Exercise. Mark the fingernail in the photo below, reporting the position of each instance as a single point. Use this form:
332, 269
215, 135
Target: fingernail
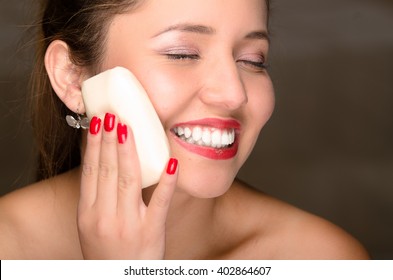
109, 122
95, 125
172, 166
122, 133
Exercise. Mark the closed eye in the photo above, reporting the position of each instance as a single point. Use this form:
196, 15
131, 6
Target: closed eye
180, 56
255, 64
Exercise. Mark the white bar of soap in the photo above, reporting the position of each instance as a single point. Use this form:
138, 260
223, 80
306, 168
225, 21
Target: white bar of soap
117, 91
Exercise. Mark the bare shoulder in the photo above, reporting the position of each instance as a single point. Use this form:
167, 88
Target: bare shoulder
277, 230
19, 211
29, 219
310, 237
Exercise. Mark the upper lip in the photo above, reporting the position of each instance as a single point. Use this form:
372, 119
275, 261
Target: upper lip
213, 122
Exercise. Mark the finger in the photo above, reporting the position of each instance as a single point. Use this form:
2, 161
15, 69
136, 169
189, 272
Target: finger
90, 162
129, 194
107, 168
162, 196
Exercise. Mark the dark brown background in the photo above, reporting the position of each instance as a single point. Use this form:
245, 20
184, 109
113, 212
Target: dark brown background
329, 146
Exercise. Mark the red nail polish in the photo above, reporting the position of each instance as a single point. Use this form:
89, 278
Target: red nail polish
95, 125
109, 122
172, 166
122, 133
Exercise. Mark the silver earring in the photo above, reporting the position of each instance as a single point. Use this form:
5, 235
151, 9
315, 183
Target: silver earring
81, 121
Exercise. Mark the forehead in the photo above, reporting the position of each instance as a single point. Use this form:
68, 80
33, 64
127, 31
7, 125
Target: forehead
216, 13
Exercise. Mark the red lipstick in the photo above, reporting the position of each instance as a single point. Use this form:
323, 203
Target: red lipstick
206, 150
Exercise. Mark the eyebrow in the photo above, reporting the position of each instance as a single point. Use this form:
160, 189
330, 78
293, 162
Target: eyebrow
186, 27
259, 35
207, 30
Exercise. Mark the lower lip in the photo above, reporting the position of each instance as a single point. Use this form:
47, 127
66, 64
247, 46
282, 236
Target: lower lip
208, 152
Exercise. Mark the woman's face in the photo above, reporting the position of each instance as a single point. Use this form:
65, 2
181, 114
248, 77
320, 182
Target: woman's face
201, 63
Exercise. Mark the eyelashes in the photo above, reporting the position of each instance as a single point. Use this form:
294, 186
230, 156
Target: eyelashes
250, 62
256, 61
182, 56
254, 64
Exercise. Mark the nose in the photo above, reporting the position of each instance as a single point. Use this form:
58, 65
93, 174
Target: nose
223, 87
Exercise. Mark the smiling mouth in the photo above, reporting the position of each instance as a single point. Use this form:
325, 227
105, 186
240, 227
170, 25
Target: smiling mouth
206, 136
211, 138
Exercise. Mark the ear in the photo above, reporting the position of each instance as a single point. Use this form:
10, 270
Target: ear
66, 78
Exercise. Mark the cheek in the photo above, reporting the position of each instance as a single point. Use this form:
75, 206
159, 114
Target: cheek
261, 102
267, 104
260, 108
167, 90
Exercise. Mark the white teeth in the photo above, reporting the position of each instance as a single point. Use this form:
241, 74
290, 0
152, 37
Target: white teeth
232, 137
197, 133
180, 131
216, 139
225, 138
187, 132
206, 136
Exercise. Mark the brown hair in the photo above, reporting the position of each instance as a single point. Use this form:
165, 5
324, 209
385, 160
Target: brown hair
82, 25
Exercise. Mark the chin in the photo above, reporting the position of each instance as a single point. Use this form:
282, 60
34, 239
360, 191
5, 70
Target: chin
205, 186
205, 177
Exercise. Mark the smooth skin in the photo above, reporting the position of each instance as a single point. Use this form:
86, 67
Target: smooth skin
196, 59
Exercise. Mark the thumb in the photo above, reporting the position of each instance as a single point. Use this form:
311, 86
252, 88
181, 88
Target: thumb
162, 196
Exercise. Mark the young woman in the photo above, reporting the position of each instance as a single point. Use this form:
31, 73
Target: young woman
202, 64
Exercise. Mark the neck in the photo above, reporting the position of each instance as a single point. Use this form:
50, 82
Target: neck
189, 225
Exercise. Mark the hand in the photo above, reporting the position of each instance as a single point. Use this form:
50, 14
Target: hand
113, 221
